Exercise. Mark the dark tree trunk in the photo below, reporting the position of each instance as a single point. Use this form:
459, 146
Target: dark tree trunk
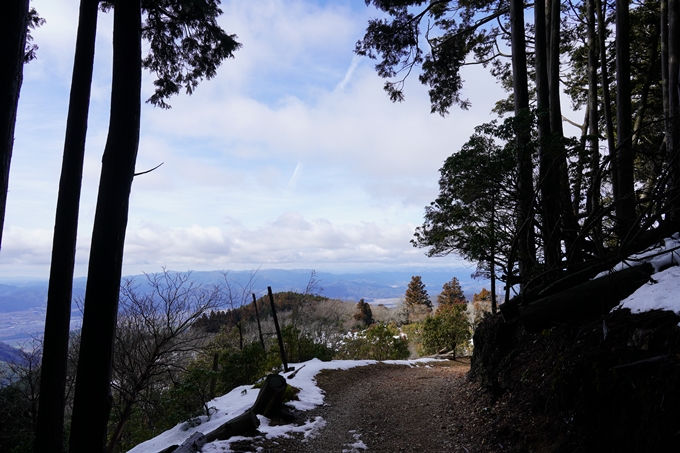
548, 175
569, 223
49, 431
625, 204
13, 27
525, 186
593, 198
673, 122
92, 393
606, 96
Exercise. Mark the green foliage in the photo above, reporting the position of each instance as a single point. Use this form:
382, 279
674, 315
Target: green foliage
414, 335
474, 214
300, 347
451, 294
378, 342
364, 315
449, 329
416, 294
186, 44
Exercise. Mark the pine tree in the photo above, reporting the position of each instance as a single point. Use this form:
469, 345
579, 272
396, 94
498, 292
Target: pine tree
451, 294
364, 314
416, 294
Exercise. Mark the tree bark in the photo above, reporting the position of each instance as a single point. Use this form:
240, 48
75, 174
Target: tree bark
13, 28
271, 395
92, 393
673, 135
548, 175
242, 424
625, 203
593, 196
50, 426
525, 186
590, 298
606, 96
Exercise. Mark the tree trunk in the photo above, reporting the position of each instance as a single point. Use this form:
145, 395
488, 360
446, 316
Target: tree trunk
242, 424
606, 96
625, 203
50, 427
271, 395
548, 175
118, 431
13, 27
525, 186
92, 393
663, 31
593, 197
590, 298
673, 135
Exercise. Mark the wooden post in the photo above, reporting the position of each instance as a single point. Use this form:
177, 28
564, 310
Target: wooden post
278, 330
259, 327
269, 399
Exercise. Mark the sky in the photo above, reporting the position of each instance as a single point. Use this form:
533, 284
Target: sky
291, 157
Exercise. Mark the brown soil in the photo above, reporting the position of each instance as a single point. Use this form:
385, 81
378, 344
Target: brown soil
395, 408
567, 389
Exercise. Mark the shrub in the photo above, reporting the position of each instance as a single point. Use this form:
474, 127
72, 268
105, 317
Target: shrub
448, 329
378, 342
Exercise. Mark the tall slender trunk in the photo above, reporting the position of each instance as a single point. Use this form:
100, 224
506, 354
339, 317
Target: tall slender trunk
593, 198
663, 31
673, 134
13, 27
606, 96
525, 186
569, 222
625, 204
548, 174
92, 393
50, 427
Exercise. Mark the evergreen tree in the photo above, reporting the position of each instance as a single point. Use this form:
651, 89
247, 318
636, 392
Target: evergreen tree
364, 314
416, 294
451, 294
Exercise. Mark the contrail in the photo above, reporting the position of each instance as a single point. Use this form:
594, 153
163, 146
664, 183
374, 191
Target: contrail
293, 179
348, 75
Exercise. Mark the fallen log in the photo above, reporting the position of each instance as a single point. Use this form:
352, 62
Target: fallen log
270, 398
192, 445
244, 423
268, 403
594, 297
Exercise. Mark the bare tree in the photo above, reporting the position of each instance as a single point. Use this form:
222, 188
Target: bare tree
154, 339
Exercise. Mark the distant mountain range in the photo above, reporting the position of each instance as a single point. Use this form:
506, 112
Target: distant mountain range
23, 300
24, 294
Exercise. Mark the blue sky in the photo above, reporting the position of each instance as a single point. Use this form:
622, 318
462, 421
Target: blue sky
291, 157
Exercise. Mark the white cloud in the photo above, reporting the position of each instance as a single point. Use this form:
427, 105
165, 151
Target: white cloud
292, 156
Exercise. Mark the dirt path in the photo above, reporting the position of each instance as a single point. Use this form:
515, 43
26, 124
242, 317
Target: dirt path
386, 408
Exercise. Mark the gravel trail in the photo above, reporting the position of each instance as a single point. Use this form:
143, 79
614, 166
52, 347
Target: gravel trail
383, 408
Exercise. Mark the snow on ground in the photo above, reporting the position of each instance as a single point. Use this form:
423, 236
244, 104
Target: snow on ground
242, 398
663, 292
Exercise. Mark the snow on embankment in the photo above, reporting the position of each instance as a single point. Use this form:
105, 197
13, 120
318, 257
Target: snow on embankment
663, 292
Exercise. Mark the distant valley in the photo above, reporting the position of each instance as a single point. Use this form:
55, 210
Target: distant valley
23, 301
